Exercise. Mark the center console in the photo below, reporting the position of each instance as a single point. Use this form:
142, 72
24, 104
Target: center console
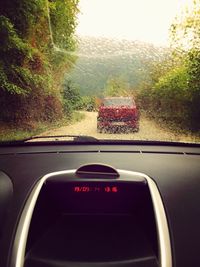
93, 216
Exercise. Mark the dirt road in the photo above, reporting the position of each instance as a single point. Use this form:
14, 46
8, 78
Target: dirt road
149, 130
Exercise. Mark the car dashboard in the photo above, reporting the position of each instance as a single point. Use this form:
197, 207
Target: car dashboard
99, 204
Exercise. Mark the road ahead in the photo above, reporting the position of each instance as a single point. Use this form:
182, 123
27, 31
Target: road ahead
149, 130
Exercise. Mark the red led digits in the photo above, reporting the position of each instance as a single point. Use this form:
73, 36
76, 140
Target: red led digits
107, 189
76, 189
114, 189
84, 189
96, 189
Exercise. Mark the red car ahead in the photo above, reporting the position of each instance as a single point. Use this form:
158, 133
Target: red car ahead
118, 113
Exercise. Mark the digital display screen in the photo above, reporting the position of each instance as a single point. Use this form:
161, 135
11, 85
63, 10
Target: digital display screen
96, 189
97, 197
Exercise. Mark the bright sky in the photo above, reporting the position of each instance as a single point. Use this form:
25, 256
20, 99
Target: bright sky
144, 20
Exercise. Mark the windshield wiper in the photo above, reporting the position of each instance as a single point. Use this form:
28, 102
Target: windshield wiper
75, 138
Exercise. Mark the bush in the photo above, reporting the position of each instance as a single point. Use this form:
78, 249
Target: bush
87, 103
71, 97
170, 97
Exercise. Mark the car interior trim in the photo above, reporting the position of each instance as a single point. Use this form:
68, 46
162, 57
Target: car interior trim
165, 255
25, 220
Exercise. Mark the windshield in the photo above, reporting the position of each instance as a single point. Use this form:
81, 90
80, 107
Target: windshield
60, 60
122, 101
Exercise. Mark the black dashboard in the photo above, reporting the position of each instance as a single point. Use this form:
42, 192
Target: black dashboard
144, 212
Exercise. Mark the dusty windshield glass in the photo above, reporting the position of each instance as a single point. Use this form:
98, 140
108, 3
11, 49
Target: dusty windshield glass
118, 101
63, 61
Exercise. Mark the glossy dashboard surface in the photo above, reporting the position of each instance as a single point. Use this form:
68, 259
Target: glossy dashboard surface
175, 170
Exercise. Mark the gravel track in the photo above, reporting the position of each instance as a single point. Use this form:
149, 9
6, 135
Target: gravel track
149, 130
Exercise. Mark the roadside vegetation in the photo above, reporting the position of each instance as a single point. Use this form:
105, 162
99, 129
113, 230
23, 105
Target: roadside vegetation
173, 96
32, 67
10, 132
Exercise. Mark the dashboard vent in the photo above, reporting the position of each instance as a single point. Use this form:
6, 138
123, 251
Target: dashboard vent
96, 169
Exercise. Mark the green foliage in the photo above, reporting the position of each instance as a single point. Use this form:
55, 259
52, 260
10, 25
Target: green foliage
194, 85
169, 99
23, 14
174, 98
71, 97
30, 68
174, 84
63, 14
13, 51
8, 86
185, 34
174, 95
10, 39
11, 132
185, 31
116, 87
87, 103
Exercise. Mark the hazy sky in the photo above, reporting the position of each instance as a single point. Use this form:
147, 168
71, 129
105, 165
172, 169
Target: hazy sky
145, 20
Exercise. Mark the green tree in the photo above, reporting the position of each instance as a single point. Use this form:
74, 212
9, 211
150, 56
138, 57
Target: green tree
63, 22
87, 103
185, 35
116, 87
71, 97
30, 67
174, 94
185, 31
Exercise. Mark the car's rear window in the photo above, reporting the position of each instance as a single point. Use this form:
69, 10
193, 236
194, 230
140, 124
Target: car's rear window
108, 102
